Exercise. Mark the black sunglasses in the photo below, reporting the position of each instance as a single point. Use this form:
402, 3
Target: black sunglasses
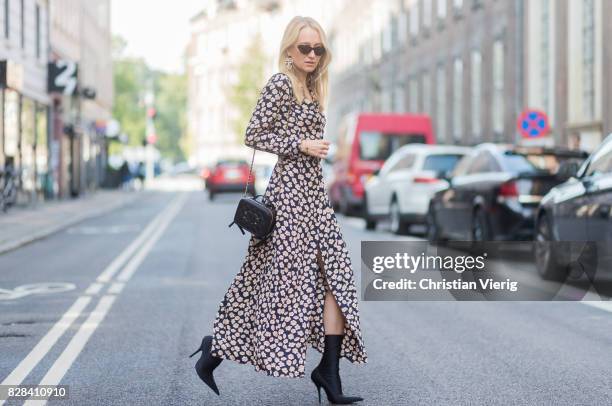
305, 49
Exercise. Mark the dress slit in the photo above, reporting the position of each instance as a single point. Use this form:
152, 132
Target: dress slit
321, 266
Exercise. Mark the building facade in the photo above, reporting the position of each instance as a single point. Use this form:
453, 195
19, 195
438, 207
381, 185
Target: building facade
460, 61
80, 34
568, 65
54, 142
24, 101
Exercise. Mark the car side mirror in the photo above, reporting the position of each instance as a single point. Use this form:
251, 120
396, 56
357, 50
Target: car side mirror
568, 169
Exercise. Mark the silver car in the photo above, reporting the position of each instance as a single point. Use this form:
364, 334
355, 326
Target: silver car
400, 191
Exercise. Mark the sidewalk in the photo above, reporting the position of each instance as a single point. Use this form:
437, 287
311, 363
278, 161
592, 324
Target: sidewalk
20, 226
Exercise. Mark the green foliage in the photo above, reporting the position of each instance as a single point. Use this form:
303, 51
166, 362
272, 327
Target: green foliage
130, 78
243, 95
171, 122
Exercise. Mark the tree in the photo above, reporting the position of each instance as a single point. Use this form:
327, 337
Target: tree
243, 95
171, 121
129, 78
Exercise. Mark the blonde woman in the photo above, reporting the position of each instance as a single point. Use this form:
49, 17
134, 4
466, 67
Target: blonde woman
297, 288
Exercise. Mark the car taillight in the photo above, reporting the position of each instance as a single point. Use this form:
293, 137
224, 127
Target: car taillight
424, 179
508, 190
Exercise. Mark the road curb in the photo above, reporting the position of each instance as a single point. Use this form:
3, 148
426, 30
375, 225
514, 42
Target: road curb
12, 245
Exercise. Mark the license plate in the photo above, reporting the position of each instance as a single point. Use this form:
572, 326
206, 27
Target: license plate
232, 174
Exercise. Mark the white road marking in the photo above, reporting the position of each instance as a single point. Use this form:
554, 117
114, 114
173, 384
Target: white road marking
44, 345
74, 347
35, 289
22, 370
116, 288
131, 267
606, 306
77, 343
114, 267
94, 288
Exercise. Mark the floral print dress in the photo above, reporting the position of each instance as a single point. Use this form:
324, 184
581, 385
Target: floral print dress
273, 309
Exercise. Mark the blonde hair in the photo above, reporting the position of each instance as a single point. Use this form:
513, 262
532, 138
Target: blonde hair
319, 77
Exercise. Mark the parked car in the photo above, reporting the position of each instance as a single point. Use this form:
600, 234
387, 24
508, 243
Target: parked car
494, 193
577, 210
400, 191
364, 143
229, 175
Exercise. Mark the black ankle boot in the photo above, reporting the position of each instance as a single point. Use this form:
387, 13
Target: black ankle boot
207, 363
327, 373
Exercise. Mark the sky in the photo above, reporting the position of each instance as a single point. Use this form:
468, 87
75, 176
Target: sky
157, 30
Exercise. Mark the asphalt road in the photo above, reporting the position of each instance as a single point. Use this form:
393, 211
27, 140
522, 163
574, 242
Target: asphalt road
141, 286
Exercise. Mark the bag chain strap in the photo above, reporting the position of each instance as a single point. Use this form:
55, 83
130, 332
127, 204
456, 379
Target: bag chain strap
253, 159
249, 178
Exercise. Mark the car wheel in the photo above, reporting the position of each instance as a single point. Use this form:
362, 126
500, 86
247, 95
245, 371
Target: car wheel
480, 226
343, 206
433, 230
545, 254
370, 222
397, 225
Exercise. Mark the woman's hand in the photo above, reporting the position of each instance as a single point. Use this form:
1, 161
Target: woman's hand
315, 148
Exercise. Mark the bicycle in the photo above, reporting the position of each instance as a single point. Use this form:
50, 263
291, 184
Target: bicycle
8, 197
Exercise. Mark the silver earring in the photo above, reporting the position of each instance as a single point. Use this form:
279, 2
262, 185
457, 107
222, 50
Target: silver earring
289, 62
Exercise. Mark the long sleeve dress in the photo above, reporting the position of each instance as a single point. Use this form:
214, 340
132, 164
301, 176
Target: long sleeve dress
273, 309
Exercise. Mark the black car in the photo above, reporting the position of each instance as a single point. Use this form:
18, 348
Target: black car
494, 192
579, 210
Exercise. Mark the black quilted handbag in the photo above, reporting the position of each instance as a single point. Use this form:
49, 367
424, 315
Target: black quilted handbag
253, 214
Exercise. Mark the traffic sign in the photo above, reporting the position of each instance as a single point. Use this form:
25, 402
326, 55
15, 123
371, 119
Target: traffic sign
533, 124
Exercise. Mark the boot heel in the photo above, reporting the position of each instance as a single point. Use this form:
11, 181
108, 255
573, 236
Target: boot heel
318, 390
198, 350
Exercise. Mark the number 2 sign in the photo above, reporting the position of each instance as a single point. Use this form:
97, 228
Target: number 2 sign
63, 77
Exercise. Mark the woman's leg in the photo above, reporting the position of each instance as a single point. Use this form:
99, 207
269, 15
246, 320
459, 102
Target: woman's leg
327, 373
333, 319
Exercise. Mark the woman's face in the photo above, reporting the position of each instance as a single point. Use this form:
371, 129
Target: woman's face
306, 63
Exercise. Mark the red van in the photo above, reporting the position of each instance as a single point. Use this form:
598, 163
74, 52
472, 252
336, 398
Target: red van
364, 142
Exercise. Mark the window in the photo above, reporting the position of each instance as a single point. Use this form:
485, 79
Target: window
545, 55
398, 99
403, 26
441, 9
7, 18
414, 95
38, 31
441, 102
602, 161
588, 58
458, 7
484, 162
387, 35
463, 165
394, 31
476, 93
498, 88
441, 162
22, 16
376, 145
414, 21
458, 99
427, 97
531, 162
426, 5
404, 163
